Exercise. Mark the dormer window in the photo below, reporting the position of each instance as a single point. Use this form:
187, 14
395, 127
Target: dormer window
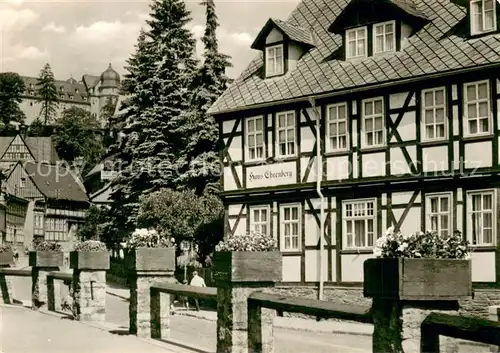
483, 17
356, 43
274, 60
384, 37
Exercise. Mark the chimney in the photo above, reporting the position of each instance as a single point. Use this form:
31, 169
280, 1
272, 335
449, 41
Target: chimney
23, 130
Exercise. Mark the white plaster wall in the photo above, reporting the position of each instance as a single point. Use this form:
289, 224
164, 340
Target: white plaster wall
412, 222
294, 54
337, 168
352, 266
435, 158
241, 228
406, 31
456, 121
229, 182
235, 150
404, 197
307, 140
228, 125
478, 154
399, 165
397, 100
234, 210
312, 263
456, 155
483, 267
291, 268
354, 133
274, 36
373, 164
406, 128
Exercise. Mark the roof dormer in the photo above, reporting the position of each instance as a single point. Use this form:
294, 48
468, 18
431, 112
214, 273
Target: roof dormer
374, 27
283, 44
482, 16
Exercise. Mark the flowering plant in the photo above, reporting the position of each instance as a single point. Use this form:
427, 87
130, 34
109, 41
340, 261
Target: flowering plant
148, 238
5, 248
90, 245
248, 242
45, 245
421, 245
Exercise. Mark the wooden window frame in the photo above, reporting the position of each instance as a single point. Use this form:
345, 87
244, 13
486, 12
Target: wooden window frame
373, 116
255, 133
286, 129
273, 49
346, 219
429, 214
384, 35
493, 194
254, 224
329, 147
472, 15
356, 40
477, 101
434, 107
282, 224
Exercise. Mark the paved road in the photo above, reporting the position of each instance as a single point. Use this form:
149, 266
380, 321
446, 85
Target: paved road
202, 333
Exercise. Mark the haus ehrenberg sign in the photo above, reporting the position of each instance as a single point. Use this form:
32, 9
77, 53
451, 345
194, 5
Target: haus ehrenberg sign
271, 175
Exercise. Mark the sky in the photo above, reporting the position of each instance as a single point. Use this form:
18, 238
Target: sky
78, 37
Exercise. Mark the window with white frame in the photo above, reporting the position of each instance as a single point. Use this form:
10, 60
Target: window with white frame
285, 128
384, 37
373, 122
477, 108
434, 113
336, 128
438, 209
359, 218
255, 138
10, 233
19, 229
356, 42
481, 221
290, 227
483, 16
56, 229
260, 217
274, 60
38, 226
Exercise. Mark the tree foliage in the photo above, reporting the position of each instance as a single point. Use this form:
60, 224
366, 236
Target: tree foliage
92, 228
11, 89
48, 92
158, 85
77, 135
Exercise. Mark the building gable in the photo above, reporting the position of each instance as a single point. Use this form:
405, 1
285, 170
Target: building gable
20, 184
17, 150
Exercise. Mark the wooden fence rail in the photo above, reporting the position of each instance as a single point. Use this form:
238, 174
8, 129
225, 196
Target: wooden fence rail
15, 272
53, 292
461, 327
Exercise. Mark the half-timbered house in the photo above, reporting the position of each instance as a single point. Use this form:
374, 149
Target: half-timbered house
358, 115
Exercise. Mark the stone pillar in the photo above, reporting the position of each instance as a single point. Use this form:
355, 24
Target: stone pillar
140, 306
494, 315
160, 314
89, 295
6, 288
238, 274
39, 286
397, 325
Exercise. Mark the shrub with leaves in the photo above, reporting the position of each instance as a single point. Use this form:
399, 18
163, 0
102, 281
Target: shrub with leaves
148, 238
421, 245
45, 245
90, 245
5, 248
248, 242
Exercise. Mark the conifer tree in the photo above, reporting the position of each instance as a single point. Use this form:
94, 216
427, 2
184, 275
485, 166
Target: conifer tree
11, 89
201, 153
158, 86
48, 92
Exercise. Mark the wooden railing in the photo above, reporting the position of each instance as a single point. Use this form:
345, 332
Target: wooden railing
15, 272
461, 327
54, 296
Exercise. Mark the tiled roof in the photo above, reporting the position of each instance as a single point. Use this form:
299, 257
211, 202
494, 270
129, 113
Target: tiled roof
42, 149
408, 6
90, 81
5, 142
69, 88
438, 47
56, 182
295, 33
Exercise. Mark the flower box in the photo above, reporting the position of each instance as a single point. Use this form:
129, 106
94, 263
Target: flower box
46, 258
89, 260
248, 266
417, 278
151, 259
6, 258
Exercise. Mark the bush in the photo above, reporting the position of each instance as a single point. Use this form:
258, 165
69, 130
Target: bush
247, 242
5, 248
421, 245
90, 245
148, 238
45, 245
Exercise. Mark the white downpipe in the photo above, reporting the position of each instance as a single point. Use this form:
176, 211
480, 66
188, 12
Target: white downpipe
319, 173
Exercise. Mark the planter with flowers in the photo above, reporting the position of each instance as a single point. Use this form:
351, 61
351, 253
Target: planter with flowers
46, 254
422, 266
252, 257
89, 255
242, 265
150, 258
148, 251
6, 255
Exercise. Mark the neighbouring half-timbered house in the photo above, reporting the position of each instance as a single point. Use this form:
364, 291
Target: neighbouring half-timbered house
13, 219
362, 114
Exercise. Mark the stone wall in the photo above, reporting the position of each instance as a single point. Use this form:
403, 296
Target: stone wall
478, 306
